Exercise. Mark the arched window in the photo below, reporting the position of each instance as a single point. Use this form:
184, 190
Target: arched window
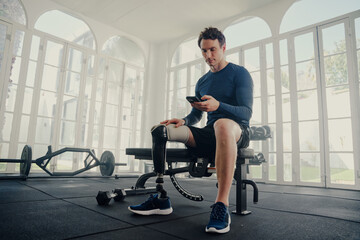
67, 27
124, 50
186, 52
242, 32
306, 12
12, 10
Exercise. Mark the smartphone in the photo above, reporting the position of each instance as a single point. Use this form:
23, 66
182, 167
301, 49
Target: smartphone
192, 99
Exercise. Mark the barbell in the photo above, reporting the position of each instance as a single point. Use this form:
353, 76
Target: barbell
107, 162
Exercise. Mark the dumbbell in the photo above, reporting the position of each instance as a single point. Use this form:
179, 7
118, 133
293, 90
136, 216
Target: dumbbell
104, 197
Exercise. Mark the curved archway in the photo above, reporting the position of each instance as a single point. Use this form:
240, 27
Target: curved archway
76, 30
13, 10
300, 15
242, 31
125, 50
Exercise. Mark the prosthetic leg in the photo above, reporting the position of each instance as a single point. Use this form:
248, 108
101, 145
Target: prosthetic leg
160, 135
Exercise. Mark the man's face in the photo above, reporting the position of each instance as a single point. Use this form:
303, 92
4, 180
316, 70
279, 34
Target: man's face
212, 52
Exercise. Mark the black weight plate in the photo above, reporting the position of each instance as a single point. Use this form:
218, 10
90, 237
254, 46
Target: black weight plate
26, 157
107, 161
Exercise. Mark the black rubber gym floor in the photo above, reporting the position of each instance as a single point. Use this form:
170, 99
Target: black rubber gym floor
66, 208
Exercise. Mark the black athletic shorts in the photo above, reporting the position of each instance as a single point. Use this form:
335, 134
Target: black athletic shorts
206, 141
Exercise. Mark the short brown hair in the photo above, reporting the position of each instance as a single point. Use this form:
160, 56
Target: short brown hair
212, 33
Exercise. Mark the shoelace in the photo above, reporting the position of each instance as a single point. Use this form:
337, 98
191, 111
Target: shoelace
150, 200
218, 212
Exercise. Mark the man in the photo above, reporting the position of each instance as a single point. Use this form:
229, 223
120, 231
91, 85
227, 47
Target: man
226, 94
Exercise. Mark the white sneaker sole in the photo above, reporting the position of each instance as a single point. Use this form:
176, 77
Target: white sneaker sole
214, 230
153, 211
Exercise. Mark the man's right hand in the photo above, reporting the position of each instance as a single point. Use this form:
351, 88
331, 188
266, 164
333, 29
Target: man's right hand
178, 122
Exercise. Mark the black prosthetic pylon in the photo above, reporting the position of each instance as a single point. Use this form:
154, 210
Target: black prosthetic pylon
159, 138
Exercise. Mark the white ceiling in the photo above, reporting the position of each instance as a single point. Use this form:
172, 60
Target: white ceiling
161, 20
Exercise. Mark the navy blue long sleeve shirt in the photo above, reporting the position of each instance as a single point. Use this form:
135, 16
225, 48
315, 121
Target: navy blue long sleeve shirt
232, 86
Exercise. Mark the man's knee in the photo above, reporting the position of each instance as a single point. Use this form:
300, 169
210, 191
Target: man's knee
170, 133
227, 128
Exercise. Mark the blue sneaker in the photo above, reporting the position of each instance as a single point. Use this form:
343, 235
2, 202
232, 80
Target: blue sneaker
153, 206
219, 219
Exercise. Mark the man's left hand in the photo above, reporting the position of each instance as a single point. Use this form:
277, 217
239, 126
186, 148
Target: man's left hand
209, 105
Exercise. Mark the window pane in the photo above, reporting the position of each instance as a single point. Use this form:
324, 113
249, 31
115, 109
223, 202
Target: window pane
24, 128
6, 130
110, 137
99, 89
181, 103
271, 109
283, 52
19, 40
114, 92
287, 167
30, 78
256, 172
11, 97
270, 81
272, 167
272, 141
334, 39
28, 94
286, 108
88, 87
306, 75
252, 59
287, 137
269, 55
257, 83
44, 130
285, 82
357, 32
308, 105
336, 70
75, 60
35, 46
234, 58
50, 79
181, 80
310, 167
304, 47
340, 135
338, 101
111, 115
54, 52
67, 133
3, 30
309, 136
256, 116
342, 168
97, 113
47, 104
15, 71
69, 108
72, 84
186, 52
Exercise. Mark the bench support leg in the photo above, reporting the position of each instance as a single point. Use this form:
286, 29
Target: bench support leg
241, 199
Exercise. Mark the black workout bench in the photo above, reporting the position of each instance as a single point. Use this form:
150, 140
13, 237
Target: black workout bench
201, 167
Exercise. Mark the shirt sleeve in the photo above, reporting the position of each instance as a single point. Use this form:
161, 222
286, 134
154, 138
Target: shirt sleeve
195, 115
244, 98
